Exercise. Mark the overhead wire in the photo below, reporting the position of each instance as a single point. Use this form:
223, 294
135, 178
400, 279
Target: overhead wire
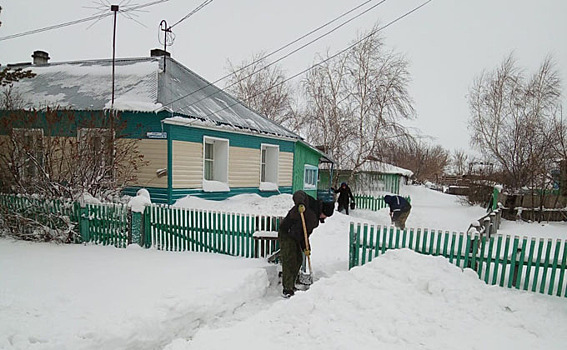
278, 50
78, 21
330, 57
197, 9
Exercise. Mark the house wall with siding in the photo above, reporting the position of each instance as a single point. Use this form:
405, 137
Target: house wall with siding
303, 155
285, 174
243, 166
155, 152
187, 164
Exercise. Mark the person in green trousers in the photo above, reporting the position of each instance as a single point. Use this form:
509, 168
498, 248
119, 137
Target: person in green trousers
292, 238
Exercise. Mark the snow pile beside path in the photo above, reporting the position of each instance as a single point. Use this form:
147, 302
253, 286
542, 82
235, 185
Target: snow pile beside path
277, 205
95, 297
402, 300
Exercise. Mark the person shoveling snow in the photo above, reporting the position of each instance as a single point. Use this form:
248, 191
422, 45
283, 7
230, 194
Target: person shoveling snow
294, 234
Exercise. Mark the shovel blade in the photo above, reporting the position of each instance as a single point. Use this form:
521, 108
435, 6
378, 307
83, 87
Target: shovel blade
305, 278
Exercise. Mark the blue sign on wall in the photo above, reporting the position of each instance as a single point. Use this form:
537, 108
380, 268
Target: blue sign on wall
156, 135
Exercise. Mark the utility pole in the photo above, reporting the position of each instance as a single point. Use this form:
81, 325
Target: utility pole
113, 8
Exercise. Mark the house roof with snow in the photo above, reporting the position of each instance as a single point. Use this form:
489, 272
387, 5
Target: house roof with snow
384, 168
140, 85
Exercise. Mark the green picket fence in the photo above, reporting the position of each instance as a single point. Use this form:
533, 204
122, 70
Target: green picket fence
513, 262
372, 203
179, 229
106, 224
161, 227
52, 213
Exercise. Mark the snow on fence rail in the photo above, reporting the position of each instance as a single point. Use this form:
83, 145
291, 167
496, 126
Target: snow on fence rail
528, 264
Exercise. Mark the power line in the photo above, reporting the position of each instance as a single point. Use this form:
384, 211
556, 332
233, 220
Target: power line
197, 9
374, 32
83, 20
280, 49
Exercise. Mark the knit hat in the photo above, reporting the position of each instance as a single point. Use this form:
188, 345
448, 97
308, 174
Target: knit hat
328, 208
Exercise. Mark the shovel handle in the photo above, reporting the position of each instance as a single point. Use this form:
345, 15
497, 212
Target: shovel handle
301, 209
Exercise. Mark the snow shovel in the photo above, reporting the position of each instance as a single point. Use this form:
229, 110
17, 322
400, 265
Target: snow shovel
305, 278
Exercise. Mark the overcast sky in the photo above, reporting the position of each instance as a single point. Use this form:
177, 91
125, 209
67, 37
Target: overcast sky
447, 42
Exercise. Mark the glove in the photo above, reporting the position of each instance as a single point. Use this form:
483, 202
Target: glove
307, 252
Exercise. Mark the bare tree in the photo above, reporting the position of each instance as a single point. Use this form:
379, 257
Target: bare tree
261, 86
511, 118
8, 76
460, 161
356, 101
327, 120
9, 98
36, 159
427, 162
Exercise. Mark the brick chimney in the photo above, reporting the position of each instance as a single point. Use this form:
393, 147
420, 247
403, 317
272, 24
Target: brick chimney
40, 57
159, 53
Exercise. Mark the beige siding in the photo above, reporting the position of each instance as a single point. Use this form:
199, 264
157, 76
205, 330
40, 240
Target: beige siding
187, 164
243, 167
285, 175
155, 153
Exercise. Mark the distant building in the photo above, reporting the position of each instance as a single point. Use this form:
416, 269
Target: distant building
374, 176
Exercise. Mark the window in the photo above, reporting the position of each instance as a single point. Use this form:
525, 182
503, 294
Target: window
95, 148
215, 159
29, 152
269, 164
209, 161
310, 176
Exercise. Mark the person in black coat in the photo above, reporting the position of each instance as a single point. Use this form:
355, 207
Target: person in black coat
345, 197
292, 237
399, 210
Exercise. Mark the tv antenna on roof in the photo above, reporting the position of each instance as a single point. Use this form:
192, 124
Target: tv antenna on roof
168, 38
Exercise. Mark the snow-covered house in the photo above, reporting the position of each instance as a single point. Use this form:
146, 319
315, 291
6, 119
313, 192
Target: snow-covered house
197, 139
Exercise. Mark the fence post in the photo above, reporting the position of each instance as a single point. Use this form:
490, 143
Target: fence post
136, 227
492, 223
498, 217
495, 193
84, 223
146, 238
518, 264
487, 226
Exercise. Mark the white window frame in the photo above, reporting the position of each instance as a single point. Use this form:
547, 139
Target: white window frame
28, 169
269, 165
310, 177
220, 158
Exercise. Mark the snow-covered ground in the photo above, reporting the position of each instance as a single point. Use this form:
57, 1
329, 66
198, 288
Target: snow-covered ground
95, 297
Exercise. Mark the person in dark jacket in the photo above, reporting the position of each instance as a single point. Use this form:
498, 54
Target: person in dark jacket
292, 238
399, 210
345, 197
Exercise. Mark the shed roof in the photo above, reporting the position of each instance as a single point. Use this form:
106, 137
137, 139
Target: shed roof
384, 168
140, 85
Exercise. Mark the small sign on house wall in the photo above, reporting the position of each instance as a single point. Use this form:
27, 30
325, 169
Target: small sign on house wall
156, 134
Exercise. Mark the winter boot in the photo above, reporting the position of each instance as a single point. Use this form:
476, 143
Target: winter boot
286, 293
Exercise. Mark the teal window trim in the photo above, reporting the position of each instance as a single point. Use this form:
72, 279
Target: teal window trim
310, 176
